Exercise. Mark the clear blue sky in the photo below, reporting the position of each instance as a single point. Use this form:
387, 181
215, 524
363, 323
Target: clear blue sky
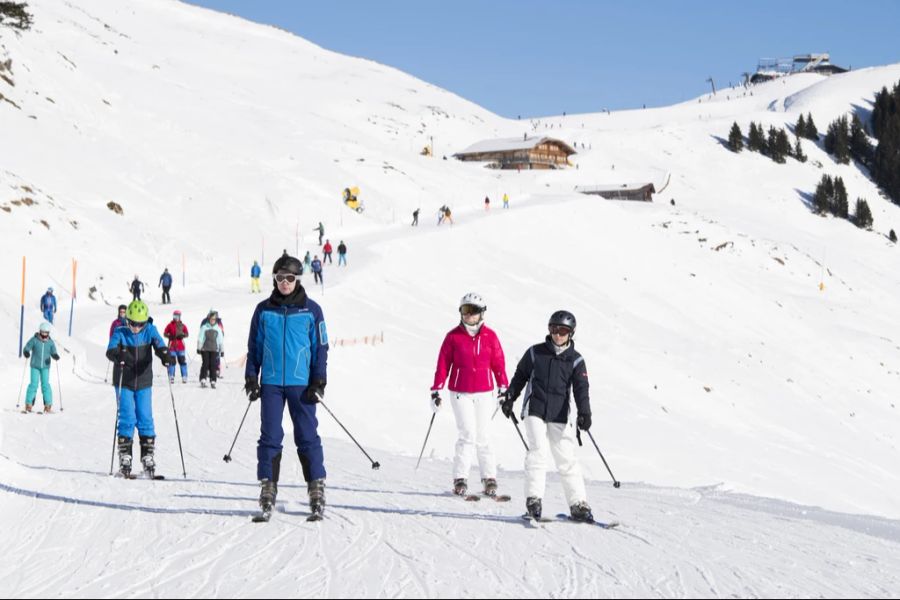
533, 58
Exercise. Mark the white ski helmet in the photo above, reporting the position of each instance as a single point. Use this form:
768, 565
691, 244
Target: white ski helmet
473, 299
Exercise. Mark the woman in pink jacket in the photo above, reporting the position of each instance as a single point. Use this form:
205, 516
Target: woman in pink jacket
472, 357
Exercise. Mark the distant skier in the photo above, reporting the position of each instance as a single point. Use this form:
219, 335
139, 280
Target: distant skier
165, 281
547, 372
287, 356
448, 216
137, 288
210, 346
48, 305
415, 221
342, 254
317, 271
176, 331
487, 203
255, 273
130, 348
472, 356
119, 320
40, 349
441, 213
321, 230
327, 249
505, 200
221, 325
307, 264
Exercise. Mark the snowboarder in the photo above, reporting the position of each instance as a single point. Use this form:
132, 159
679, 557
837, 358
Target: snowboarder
119, 320
210, 346
165, 281
137, 288
472, 356
415, 221
255, 272
550, 370
130, 348
48, 305
342, 254
327, 249
175, 332
317, 270
40, 349
288, 346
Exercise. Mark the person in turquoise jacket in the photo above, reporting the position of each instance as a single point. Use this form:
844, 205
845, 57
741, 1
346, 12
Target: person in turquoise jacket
40, 349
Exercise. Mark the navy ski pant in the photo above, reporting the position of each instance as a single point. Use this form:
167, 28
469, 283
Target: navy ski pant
306, 436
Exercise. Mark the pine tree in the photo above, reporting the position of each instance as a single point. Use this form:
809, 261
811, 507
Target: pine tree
798, 151
800, 127
735, 138
772, 147
811, 132
822, 197
863, 218
860, 147
893, 236
15, 15
755, 139
783, 145
840, 202
837, 140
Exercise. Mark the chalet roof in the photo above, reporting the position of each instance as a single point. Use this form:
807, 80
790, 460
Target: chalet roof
512, 144
614, 187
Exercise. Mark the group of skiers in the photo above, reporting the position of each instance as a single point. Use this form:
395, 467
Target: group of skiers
287, 357
445, 214
137, 287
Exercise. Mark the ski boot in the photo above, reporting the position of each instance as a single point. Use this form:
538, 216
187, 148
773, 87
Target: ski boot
184, 380
203, 383
212, 384
268, 491
580, 511
171, 380
48, 408
148, 446
533, 508
490, 487
124, 445
316, 490
28, 407
460, 486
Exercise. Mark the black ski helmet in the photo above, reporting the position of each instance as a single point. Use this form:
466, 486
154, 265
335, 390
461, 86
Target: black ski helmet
564, 318
287, 264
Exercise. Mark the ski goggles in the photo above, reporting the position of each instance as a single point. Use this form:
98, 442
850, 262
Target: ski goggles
560, 330
282, 278
470, 309
135, 324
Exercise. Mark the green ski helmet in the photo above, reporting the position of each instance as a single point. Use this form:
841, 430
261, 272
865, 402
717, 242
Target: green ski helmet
137, 311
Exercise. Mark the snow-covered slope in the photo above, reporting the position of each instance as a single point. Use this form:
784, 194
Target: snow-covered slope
721, 373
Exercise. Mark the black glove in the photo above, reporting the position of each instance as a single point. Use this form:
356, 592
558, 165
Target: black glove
222, 354
26, 354
435, 401
54, 356
251, 388
200, 352
126, 357
584, 421
316, 390
164, 357
507, 406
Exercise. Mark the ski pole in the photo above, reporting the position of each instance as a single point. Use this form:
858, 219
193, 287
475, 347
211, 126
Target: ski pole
519, 431
118, 408
433, 415
59, 385
22, 384
227, 457
375, 464
616, 483
177, 430
105, 377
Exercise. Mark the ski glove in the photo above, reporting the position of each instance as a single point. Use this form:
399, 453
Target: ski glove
164, 357
251, 388
26, 354
507, 406
584, 421
435, 401
126, 357
54, 356
502, 394
316, 390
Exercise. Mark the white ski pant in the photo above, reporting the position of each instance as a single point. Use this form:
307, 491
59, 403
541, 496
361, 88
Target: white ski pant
559, 439
473, 419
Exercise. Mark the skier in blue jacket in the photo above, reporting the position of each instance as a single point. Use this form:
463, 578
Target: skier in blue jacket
165, 281
132, 347
287, 356
48, 305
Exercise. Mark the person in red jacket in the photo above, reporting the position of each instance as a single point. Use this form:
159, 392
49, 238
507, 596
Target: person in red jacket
327, 249
175, 332
472, 357
120, 320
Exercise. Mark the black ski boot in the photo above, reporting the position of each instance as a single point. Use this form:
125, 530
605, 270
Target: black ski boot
316, 490
124, 446
580, 511
148, 446
268, 491
490, 487
460, 486
533, 508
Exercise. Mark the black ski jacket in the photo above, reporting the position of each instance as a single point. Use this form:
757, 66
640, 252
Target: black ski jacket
546, 378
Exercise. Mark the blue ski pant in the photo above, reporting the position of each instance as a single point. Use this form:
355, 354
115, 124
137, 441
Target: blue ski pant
48, 315
136, 409
306, 436
182, 361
